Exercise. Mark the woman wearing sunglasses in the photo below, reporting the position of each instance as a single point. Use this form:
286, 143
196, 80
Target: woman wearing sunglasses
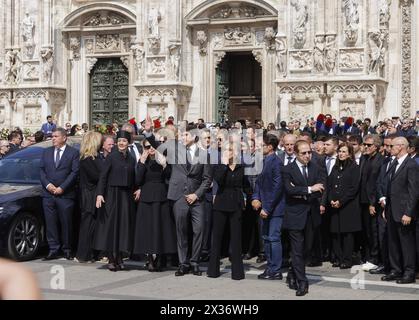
155, 233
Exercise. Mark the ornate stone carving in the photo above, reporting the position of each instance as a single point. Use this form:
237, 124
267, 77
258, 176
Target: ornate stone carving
218, 57
157, 67
90, 63
223, 13
104, 18
154, 18
269, 38
2, 115
32, 115
353, 109
300, 21
154, 45
238, 36
351, 15
175, 51
258, 54
47, 55
377, 51
201, 37
139, 54
406, 6
281, 56
319, 53
12, 67
89, 44
302, 89
300, 111
125, 61
357, 88
301, 60
217, 40
28, 30
331, 53
108, 42
75, 47
30, 71
250, 12
351, 59
384, 12
235, 12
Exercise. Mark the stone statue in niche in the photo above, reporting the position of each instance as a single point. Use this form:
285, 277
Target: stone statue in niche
174, 50
300, 22
281, 56
139, 53
318, 53
384, 11
202, 39
18, 65
269, 37
350, 9
28, 29
154, 18
331, 53
47, 55
13, 67
377, 51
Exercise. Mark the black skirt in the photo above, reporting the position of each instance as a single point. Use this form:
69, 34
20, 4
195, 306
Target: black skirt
114, 224
155, 231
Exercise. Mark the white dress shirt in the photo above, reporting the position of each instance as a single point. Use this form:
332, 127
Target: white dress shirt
62, 149
401, 160
301, 166
332, 163
288, 161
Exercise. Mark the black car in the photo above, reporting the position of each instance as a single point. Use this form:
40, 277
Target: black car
22, 225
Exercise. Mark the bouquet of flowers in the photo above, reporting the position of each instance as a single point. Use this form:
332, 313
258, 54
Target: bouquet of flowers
4, 134
27, 133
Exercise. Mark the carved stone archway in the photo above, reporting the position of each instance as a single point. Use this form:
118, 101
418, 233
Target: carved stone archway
218, 27
94, 31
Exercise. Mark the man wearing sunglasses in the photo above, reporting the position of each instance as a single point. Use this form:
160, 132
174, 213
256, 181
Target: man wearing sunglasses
371, 210
304, 183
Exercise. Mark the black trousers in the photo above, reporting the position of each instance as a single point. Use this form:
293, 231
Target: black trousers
383, 240
220, 219
207, 237
325, 237
86, 236
252, 242
58, 214
370, 237
298, 267
402, 247
312, 247
343, 246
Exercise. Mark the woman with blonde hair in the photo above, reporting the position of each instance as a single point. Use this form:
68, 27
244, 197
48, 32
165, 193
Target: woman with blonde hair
90, 167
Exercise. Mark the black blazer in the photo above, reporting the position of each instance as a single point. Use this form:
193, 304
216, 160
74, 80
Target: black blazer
118, 171
151, 177
89, 179
299, 203
64, 176
370, 172
343, 185
382, 179
233, 186
404, 190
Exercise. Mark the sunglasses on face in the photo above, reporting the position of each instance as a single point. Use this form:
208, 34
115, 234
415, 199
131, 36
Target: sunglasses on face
368, 145
306, 153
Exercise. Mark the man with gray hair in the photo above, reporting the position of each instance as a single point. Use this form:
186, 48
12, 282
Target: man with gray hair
401, 199
4, 148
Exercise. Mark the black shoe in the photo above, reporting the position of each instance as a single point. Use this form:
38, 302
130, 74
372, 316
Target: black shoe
379, 270
51, 256
302, 289
267, 276
112, 267
68, 256
345, 266
196, 271
292, 283
336, 265
264, 275
261, 258
182, 271
314, 264
391, 277
406, 280
248, 256
276, 276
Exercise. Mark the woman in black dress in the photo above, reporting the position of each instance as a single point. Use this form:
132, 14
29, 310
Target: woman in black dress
343, 198
90, 166
229, 204
116, 192
155, 233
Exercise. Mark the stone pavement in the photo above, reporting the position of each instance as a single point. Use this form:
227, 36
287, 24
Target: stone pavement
68, 280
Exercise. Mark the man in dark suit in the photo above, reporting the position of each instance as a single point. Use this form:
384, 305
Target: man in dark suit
59, 169
189, 181
268, 199
15, 142
288, 156
304, 183
48, 127
369, 203
401, 200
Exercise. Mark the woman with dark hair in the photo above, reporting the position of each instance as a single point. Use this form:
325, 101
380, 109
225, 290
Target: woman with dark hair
342, 196
116, 192
155, 232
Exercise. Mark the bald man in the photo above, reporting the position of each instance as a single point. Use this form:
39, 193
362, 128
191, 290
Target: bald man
401, 199
288, 156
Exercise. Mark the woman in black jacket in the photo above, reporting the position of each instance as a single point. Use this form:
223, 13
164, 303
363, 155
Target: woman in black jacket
90, 167
116, 191
155, 232
229, 204
343, 198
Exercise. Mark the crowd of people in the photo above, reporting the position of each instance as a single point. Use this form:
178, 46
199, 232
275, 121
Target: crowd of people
341, 191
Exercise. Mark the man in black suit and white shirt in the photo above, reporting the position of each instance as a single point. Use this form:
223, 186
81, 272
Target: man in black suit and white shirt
288, 156
401, 199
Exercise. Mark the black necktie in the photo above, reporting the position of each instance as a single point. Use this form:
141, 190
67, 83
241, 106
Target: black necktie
132, 152
289, 160
391, 173
305, 174
57, 158
188, 159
